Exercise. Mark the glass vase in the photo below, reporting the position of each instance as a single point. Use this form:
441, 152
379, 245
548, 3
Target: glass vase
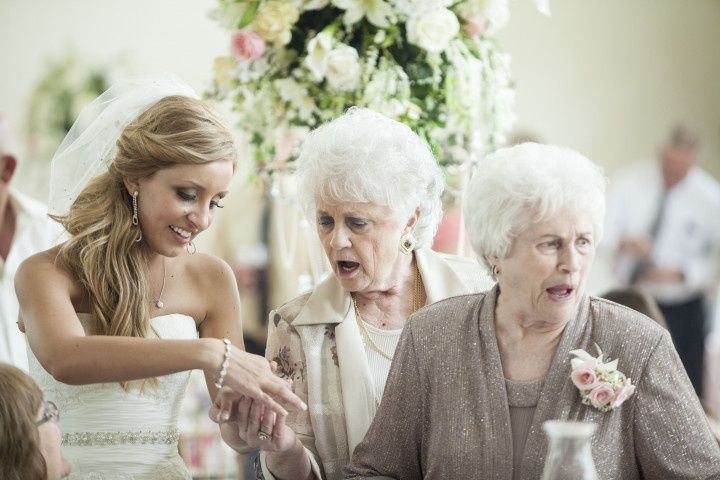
569, 454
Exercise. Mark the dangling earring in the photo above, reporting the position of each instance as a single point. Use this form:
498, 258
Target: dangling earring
191, 249
407, 243
135, 220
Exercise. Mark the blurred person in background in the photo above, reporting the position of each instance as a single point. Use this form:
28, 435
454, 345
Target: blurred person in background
639, 300
25, 229
29, 432
373, 189
663, 225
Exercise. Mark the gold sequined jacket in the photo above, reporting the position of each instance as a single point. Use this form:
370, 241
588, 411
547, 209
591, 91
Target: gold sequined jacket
445, 413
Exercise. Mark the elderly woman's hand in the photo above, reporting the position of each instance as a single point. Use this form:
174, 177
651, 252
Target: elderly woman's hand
252, 418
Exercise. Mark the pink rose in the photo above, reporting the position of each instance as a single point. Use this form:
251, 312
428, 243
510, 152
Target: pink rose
622, 393
474, 28
247, 45
584, 376
601, 395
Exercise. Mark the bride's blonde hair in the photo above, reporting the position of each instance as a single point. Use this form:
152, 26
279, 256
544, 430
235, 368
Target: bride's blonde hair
102, 253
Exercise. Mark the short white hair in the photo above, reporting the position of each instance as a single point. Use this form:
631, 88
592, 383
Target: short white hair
516, 187
365, 157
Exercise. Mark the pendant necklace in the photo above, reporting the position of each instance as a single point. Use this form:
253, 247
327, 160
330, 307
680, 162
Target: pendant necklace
159, 303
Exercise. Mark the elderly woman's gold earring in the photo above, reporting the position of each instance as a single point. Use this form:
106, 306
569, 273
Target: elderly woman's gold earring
135, 220
407, 243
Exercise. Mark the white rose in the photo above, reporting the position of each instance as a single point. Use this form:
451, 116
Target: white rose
274, 20
433, 29
317, 57
343, 67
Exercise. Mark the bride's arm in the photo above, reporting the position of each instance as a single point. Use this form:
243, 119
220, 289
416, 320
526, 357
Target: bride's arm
223, 316
58, 341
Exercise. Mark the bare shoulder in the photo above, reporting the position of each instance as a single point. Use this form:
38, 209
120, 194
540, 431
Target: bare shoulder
42, 268
208, 273
203, 264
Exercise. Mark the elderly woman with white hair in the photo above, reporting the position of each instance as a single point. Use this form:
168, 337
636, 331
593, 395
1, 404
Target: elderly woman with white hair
373, 189
475, 376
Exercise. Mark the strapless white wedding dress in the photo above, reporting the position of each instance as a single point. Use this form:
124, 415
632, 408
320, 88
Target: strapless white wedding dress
112, 434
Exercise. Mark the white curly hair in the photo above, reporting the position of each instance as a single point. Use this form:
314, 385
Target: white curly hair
518, 186
365, 157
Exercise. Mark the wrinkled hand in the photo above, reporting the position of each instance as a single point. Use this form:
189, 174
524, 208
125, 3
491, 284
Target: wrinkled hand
252, 417
253, 376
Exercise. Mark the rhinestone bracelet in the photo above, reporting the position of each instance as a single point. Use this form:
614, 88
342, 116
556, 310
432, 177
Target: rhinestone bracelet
226, 363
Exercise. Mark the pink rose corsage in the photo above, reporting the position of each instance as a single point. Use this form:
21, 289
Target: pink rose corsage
600, 383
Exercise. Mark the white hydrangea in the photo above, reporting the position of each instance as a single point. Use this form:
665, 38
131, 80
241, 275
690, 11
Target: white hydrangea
296, 95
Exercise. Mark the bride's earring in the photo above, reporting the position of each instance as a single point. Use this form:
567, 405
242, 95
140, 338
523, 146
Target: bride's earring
191, 249
135, 220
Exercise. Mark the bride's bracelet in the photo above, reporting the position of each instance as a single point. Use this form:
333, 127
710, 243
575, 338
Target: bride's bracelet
226, 363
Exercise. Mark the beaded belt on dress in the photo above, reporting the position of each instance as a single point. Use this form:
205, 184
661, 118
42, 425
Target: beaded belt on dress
137, 437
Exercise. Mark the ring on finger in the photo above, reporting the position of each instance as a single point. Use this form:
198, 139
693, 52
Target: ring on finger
264, 435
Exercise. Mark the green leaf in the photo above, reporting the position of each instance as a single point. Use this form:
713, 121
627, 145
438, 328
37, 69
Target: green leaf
249, 15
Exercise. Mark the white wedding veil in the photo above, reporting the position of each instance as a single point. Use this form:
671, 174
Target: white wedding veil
90, 145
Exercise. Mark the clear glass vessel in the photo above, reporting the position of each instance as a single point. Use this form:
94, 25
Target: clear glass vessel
569, 454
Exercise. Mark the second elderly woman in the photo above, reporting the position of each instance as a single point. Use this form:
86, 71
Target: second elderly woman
476, 376
373, 188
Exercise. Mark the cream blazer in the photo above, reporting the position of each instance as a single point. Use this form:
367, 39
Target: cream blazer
316, 342
444, 413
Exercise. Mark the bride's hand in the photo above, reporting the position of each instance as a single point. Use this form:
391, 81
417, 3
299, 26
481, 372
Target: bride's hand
224, 408
252, 376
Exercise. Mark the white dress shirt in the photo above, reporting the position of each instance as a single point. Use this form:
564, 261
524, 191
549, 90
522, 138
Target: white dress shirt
34, 232
688, 238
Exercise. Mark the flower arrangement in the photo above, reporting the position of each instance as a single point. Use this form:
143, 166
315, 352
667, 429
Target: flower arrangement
433, 64
63, 90
600, 383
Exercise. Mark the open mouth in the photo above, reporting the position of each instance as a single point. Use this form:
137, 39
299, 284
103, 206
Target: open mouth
560, 292
183, 234
345, 266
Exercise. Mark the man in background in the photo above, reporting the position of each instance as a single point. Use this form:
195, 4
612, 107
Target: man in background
25, 229
663, 222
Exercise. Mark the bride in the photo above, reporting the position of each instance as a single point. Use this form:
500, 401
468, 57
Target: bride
118, 314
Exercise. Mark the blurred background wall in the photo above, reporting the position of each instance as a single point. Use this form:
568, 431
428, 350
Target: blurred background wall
610, 78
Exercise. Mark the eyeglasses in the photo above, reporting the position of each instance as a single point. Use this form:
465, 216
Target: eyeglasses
50, 412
